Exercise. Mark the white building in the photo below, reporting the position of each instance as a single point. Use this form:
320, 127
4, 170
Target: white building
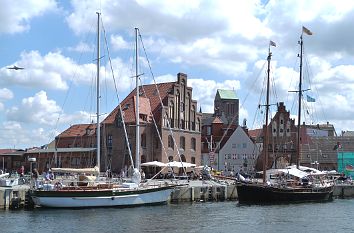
238, 154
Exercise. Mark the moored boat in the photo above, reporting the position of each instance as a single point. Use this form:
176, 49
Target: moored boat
286, 188
93, 192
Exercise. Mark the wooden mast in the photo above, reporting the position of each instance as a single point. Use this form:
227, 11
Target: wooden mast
299, 110
265, 144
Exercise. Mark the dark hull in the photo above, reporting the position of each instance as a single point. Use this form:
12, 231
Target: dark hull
260, 194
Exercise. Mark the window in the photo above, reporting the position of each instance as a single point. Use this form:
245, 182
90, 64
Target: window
182, 143
193, 144
193, 160
156, 142
143, 140
143, 117
170, 158
208, 130
109, 141
143, 159
170, 142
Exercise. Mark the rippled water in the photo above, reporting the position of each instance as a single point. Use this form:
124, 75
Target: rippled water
214, 217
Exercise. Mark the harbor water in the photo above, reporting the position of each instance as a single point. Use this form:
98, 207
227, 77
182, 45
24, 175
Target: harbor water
203, 217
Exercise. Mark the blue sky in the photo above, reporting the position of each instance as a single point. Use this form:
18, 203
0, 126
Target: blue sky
218, 44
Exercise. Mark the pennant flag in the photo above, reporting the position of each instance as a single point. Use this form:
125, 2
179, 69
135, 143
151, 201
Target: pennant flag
310, 99
349, 167
272, 43
307, 31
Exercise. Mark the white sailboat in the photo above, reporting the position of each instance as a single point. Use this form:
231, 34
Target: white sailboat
103, 194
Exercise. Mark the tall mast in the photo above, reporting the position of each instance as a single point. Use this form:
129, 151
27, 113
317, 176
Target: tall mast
98, 130
137, 130
299, 110
265, 145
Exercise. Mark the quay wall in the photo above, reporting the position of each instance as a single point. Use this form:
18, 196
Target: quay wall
209, 192
10, 195
343, 191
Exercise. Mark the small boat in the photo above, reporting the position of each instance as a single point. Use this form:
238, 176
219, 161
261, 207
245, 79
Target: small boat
88, 191
7, 181
290, 185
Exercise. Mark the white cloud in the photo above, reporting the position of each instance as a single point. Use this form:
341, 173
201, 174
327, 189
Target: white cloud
118, 43
14, 135
37, 109
82, 47
52, 71
204, 91
6, 94
15, 16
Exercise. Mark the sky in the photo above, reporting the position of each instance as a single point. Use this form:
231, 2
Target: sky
219, 44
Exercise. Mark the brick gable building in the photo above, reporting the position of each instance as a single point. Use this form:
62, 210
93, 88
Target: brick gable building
177, 115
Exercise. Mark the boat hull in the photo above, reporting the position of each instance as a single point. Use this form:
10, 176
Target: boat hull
263, 194
101, 198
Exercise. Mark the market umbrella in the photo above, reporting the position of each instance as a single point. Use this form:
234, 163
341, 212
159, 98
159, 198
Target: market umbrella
180, 164
153, 164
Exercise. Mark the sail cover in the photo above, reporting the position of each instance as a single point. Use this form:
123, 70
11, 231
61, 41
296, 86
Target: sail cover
94, 170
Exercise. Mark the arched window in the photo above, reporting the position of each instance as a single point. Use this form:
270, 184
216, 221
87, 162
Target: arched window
170, 142
182, 143
170, 158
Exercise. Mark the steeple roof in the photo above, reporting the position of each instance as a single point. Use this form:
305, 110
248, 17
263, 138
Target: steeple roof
226, 94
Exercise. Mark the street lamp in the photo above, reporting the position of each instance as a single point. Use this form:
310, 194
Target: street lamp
31, 160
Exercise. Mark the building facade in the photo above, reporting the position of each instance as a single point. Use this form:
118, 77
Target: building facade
218, 126
168, 131
239, 154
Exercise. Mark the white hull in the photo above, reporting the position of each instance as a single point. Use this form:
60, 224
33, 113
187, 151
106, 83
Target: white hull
132, 199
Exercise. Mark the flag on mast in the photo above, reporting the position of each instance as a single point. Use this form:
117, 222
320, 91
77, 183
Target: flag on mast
310, 99
307, 31
272, 43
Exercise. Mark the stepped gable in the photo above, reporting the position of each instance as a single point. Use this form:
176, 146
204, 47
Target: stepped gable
79, 130
149, 100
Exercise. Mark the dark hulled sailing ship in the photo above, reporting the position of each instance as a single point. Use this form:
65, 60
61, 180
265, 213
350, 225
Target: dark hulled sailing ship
289, 186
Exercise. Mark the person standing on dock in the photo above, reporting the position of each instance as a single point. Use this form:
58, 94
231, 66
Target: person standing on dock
35, 176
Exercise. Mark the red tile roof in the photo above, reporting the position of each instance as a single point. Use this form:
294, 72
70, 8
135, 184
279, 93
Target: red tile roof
5, 151
255, 133
217, 120
147, 101
79, 130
